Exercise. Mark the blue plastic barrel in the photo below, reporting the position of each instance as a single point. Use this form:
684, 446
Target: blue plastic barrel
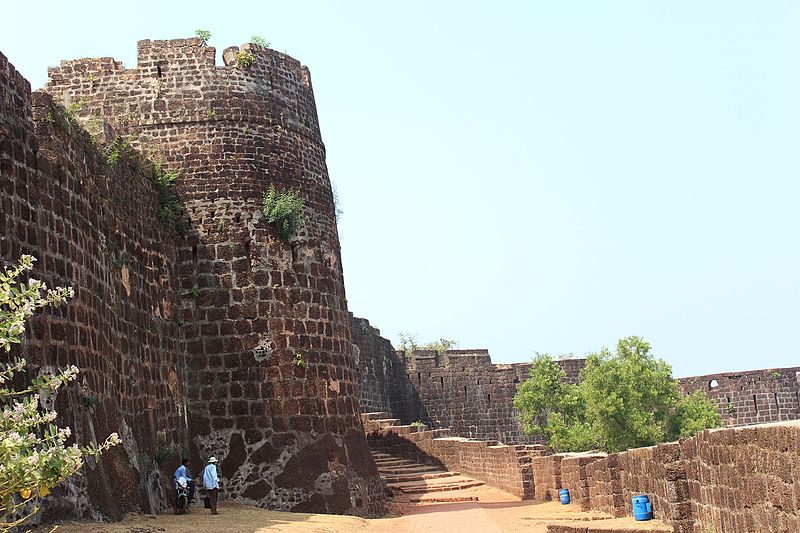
564, 495
641, 507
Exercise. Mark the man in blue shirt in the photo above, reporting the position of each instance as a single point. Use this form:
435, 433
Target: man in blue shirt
183, 471
211, 483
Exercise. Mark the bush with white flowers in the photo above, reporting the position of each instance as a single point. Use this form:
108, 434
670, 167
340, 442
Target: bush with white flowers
34, 456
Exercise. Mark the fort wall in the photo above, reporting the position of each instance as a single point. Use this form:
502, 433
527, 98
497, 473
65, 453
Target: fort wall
383, 381
457, 389
95, 228
238, 342
464, 391
731, 480
751, 397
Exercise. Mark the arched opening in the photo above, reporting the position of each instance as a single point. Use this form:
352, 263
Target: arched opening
713, 384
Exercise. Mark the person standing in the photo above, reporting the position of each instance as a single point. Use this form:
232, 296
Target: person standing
211, 483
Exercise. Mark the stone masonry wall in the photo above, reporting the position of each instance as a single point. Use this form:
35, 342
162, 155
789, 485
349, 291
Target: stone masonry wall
754, 397
96, 228
271, 380
230, 329
547, 476
464, 391
731, 480
383, 381
745, 479
728, 480
458, 389
574, 476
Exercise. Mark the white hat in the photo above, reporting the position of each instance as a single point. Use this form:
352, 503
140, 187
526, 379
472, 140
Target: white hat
212, 460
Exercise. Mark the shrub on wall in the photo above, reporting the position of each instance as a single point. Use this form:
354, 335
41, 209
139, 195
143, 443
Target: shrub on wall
625, 399
284, 211
409, 343
33, 453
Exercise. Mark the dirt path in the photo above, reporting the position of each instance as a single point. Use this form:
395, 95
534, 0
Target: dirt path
468, 507
486, 516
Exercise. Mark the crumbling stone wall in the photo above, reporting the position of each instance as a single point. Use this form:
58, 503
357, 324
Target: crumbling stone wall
753, 397
458, 389
382, 377
96, 228
271, 381
230, 328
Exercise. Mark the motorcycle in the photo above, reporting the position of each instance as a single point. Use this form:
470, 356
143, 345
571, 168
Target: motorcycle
181, 495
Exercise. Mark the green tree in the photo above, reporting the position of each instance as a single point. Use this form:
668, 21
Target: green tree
693, 413
33, 453
540, 395
624, 399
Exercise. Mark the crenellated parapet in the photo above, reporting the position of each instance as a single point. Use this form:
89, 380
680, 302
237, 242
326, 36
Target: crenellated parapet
254, 342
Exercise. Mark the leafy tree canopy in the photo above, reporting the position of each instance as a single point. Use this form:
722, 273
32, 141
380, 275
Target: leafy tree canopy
624, 399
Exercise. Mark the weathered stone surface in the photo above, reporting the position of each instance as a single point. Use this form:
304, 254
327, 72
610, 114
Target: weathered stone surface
753, 397
228, 338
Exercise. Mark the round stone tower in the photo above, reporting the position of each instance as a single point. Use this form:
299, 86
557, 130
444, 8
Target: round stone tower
269, 372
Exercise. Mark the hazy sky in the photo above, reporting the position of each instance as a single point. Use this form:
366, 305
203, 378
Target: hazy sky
532, 176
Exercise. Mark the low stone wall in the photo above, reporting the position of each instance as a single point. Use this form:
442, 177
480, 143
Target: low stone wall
604, 486
734, 480
728, 480
547, 476
508, 468
745, 479
574, 477
660, 472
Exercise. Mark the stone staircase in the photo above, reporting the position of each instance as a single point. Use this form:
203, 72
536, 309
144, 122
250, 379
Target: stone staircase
412, 481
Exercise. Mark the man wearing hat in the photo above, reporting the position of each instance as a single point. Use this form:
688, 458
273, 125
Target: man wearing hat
211, 483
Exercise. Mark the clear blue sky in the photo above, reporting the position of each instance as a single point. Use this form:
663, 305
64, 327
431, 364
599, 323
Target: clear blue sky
533, 176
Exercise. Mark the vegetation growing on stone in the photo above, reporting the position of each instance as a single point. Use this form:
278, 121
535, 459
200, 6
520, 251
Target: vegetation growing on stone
245, 58
260, 41
625, 399
284, 211
409, 343
169, 208
33, 451
204, 35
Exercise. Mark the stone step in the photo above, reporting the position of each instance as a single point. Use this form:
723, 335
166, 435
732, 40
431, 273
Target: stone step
447, 484
375, 415
425, 489
400, 478
393, 461
410, 469
443, 499
382, 455
389, 422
